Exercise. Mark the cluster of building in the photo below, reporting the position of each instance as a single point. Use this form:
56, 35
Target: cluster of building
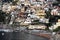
33, 13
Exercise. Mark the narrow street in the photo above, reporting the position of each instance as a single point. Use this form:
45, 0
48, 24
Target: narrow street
19, 36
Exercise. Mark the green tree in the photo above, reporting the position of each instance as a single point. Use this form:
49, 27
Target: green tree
15, 2
57, 29
2, 16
